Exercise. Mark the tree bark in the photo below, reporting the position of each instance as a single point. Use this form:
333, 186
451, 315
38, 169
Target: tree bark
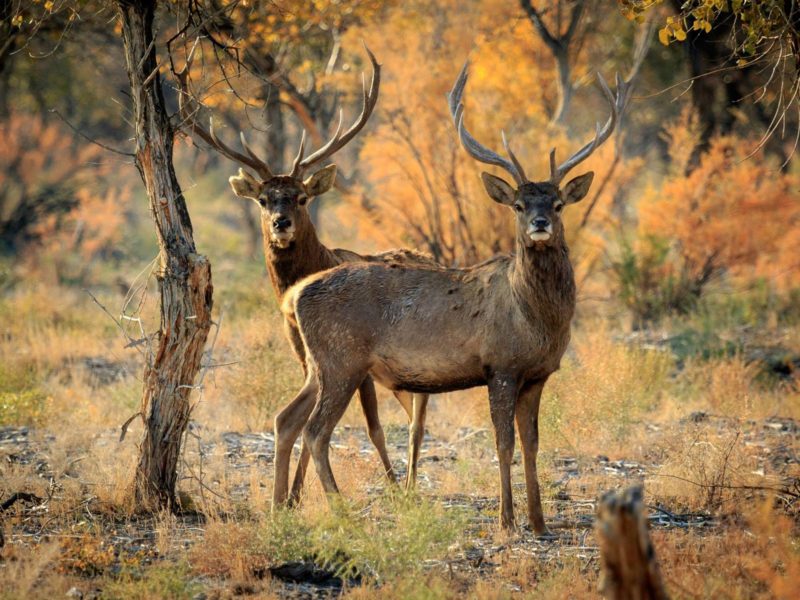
184, 278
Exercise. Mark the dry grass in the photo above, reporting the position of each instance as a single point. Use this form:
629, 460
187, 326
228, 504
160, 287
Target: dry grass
622, 400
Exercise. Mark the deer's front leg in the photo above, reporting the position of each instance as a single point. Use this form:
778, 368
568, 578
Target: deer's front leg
502, 401
528, 424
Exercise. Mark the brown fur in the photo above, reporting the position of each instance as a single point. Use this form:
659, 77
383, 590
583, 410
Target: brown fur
291, 257
504, 323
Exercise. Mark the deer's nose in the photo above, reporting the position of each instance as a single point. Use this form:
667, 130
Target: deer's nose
281, 223
540, 223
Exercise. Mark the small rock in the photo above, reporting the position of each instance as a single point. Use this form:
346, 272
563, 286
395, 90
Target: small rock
74, 593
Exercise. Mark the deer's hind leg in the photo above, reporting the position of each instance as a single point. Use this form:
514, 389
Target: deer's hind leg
416, 406
369, 404
336, 387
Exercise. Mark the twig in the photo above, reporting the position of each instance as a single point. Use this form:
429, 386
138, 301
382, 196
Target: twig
124, 428
89, 139
20, 496
759, 488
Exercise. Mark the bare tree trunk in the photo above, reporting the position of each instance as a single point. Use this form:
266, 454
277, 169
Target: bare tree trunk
629, 570
184, 279
559, 44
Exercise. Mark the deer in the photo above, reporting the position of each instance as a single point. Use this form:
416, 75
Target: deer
503, 323
292, 251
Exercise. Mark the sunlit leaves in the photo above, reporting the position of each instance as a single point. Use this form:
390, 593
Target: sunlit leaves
735, 213
756, 21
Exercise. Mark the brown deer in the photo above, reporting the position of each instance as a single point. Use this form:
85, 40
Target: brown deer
504, 323
292, 251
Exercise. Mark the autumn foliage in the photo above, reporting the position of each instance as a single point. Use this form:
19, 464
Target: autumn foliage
736, 213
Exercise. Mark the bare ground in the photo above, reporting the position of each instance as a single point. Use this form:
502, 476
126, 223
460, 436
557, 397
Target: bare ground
763, 453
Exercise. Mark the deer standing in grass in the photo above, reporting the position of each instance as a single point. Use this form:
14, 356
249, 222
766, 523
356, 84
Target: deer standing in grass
292, 251
504, 323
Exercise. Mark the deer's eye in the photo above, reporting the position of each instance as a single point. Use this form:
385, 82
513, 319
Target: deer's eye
518, 208
302, 199
558, 207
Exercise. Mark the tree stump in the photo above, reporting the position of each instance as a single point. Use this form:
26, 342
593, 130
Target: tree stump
629, 570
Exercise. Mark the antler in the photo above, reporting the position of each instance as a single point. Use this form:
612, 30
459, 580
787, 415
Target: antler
475, 149
339, 139
208, 136
617, 103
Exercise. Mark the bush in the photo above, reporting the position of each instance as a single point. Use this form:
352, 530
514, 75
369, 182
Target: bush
735, 215
651, 285
39, 173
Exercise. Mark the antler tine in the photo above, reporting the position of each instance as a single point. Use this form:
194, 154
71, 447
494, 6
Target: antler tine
473, 147
249, 150
208, 135
617, 103
512, 156
296, 163
339, 140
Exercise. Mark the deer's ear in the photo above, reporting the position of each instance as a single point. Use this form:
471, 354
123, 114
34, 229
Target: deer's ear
498, 189
577, 188
321, 181
245, 185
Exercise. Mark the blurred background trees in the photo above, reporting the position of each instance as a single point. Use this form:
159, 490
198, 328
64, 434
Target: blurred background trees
697, 194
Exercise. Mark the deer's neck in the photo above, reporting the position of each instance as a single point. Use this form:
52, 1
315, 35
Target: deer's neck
543, 283
305, 256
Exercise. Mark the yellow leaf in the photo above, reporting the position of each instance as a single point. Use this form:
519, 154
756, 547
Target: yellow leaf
680, 34
663, 36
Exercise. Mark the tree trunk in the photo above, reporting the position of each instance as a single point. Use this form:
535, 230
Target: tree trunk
184, 279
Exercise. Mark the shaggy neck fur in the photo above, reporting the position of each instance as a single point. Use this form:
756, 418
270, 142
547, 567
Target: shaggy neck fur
543, 282
304, 256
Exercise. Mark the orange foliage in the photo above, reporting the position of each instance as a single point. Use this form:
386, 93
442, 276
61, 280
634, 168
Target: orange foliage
40, 165
88, 232
422, 189
736, 212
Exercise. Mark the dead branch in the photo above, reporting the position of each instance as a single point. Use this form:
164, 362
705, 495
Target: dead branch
19, 497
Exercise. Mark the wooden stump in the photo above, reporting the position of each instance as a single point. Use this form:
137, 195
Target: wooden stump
629, 570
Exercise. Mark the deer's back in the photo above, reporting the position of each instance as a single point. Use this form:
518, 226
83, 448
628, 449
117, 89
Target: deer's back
422, 328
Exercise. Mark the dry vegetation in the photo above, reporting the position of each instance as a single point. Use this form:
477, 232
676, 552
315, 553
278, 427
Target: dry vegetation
682, 373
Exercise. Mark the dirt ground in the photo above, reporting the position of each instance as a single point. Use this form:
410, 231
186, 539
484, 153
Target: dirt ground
481, 561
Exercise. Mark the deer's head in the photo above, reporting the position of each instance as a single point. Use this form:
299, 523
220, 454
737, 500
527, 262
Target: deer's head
537, 205
283, 198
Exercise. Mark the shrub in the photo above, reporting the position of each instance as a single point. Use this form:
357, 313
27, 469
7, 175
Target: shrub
39, 173
735, 215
